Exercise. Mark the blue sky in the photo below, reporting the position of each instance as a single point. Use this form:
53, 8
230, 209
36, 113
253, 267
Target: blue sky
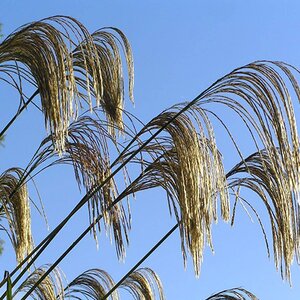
179, 49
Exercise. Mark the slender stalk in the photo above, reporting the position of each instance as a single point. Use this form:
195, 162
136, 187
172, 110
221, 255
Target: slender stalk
140, 261
18, 113
52, 234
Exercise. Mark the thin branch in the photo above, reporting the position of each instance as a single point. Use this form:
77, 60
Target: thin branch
18, 113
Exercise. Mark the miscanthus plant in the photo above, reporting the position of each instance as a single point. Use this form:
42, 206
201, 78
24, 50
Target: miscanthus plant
77, 79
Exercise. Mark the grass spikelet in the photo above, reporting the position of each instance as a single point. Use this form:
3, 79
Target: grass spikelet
233, 294
189, 168
143, 284
51, 288
43, 50
66, 63
15, 201
92, 284
270, 182
196, 176
106, 82
261, 95
87, 151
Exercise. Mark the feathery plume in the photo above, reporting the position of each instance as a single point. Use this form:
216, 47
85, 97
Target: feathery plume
142, 285
262, 99
92, 284
15, 202
189, 167
233, 294
60, 57
51, 288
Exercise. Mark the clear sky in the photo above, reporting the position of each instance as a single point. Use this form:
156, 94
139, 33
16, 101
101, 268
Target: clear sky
179, 48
